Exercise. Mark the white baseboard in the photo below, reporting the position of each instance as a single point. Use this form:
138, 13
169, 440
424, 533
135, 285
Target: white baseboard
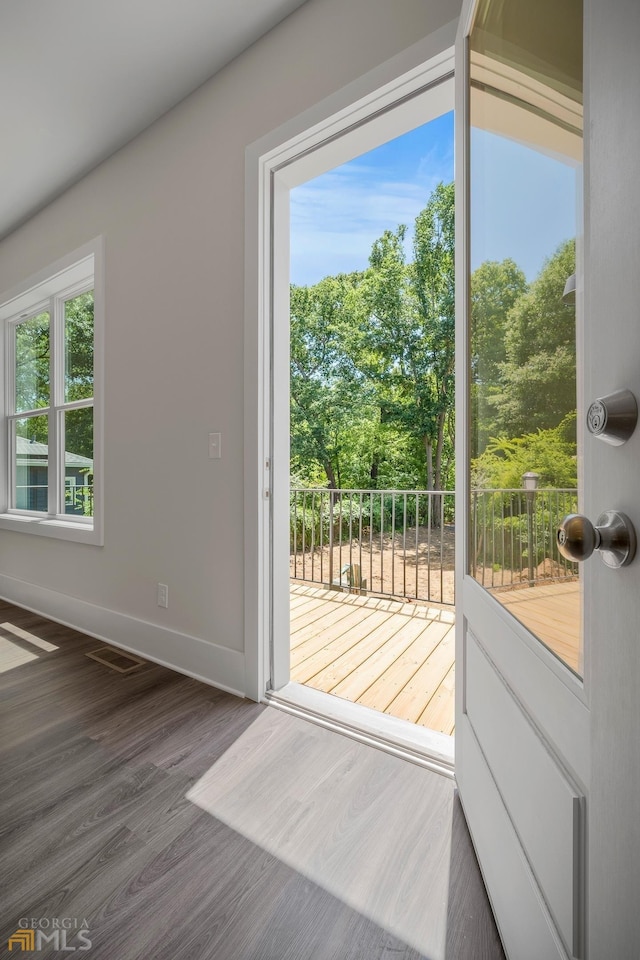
200, 659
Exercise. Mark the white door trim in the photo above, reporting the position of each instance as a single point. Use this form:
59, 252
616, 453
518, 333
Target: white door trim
269, 174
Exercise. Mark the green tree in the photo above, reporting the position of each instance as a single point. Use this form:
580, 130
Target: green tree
434, 281
495, 289
79, 347
328, 395
406, 333
33, 360
550, 453
538, 386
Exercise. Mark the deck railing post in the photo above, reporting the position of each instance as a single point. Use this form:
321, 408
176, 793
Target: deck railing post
331, 506
474, 528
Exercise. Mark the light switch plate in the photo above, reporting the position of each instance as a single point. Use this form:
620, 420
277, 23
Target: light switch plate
215, 446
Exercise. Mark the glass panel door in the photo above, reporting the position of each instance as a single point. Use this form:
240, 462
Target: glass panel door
526, 241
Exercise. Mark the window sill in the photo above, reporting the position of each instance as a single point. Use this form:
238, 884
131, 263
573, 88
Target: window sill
53, 528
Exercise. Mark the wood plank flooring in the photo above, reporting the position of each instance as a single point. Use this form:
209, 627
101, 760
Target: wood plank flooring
394, 657
399, 658
553, 612
186, 824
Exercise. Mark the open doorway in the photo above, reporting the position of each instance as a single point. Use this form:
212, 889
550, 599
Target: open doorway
399, 518
372, 428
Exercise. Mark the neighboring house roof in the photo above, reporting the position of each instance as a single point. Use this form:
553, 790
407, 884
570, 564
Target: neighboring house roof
32, 452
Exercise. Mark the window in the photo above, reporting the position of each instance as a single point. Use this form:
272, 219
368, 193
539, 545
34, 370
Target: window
51, 406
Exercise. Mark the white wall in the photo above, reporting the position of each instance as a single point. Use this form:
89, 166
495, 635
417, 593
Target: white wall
171, 208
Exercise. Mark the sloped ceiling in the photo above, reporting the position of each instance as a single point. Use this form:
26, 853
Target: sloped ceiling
80, 78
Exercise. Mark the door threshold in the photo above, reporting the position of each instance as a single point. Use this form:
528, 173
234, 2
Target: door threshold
427, 748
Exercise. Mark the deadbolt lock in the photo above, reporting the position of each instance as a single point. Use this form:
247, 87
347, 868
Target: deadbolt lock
613, 418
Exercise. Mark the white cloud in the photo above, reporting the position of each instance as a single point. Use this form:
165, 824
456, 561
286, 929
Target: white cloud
336, 218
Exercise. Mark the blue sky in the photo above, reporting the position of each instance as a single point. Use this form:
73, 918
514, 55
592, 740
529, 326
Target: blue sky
523, 203
336, 217
529, 206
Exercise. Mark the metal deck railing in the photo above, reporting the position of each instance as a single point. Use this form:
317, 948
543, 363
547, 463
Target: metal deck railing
400, 543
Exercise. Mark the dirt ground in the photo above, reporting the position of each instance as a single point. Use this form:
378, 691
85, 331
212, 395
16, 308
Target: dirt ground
391, 566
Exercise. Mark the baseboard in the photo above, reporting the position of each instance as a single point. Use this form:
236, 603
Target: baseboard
200, 659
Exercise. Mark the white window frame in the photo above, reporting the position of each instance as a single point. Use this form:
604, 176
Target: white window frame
49, 289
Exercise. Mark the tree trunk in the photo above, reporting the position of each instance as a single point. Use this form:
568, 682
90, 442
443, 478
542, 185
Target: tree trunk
331, 477
428, 446
373, 473
442, 416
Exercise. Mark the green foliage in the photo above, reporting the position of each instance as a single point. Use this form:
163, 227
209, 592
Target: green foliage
372, 363
324, 381
32, 352
495, 289
538, 382
33, 360
372, 368
550, 453
409, 332
79, 347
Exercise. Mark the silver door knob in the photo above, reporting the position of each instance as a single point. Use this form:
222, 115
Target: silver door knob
614, 536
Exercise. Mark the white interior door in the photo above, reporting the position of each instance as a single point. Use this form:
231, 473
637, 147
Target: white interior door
547, 747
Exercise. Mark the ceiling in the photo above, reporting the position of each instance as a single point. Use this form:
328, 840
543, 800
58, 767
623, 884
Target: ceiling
80, 78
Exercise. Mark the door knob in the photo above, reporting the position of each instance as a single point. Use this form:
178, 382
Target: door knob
613, 536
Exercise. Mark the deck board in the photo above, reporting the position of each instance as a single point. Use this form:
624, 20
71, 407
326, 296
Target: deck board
410, 701
374, 651
342, 667
387, 694
326, 621
366, 673
399, 657
337, 640
551, 611
441, 707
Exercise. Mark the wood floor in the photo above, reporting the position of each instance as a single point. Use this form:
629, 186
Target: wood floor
394, 657
399, 658
186, 824
553, 612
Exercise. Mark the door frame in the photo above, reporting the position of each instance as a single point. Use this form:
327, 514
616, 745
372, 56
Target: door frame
343, 126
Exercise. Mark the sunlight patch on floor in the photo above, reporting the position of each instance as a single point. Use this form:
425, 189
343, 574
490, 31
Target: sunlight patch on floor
14, 654
29, 637
371, 829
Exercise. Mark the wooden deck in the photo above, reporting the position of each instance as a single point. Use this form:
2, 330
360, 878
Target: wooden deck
399, 657
551, 611
394, 657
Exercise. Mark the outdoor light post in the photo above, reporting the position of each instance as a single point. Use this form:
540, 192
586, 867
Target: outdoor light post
530, 484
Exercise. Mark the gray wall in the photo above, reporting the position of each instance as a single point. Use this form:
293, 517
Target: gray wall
171, 208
